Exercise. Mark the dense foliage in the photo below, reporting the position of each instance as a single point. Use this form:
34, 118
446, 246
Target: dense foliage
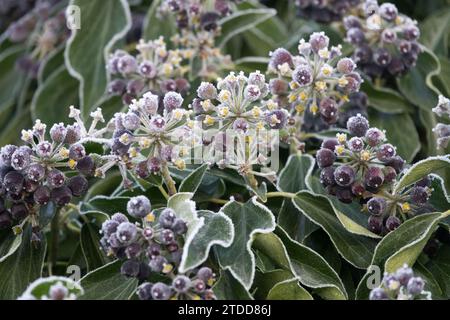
213, 149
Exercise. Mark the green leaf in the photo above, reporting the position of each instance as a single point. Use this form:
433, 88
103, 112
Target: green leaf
102, 24
106, 204
50, 64
53, 98
385, 99
294, 178
39, 289
46, 214
354, 248
9, 243
249, 219
401, 246
107, 283
217, 229
302, 262
156, 24
440, 267
240, 21
11, 79
264, 281
90, 241
420, 170
404, 136
18, 270
289, 290
194, 179
435, 31
228, 288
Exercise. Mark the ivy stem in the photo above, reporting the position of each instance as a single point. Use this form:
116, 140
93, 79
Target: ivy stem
163, 192
168, 180
218, 201
280, 195
52, 255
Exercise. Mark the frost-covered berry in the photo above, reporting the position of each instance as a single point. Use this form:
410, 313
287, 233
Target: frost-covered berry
127, 64
404, 274
147, 69
206, 91
198, 285
252, 92
325, 158
327, 176
344, 194
157, 263
78, 185
58, 132
392, 223
167, 236
277, 119
109, 227
181, 284
86, 166
318, 41
358, 189
117, 87
55, 178
355, 36
375, 224
154, 165
389, 174
6, 153
374, 177
131, 121
161, 291
141, 169
240, 125
19, 211
172, 100
73, 134
358, 125
388, 11
13, 182
139, 207
126, 233
419, 195
58, 292
355, 144
35, 172
44, 149
346, 65
41, 195
119, 217
133, 251
179, 226
61, 196
144, 291
386, 152
344, 175
328, 110
415, 285
130, 268
377, 206
167, 218
77, 152
279, 57
303, 75
378, 294
278, 86
20, 159
330, 144
205, 274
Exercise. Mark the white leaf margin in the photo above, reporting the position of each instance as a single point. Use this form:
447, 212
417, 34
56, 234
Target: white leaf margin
67, 282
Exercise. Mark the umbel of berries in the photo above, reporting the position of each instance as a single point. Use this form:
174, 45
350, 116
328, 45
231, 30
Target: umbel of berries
442, 130
155, 68
34, 174
324, 11
385, 41
153, 246
401, 285
147, 142
318, 80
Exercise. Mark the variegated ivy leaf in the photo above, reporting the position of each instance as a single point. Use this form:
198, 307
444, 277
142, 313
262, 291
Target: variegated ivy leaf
249, 219
40, 289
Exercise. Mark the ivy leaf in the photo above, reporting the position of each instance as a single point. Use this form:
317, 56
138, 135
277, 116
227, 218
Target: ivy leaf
193, 180
58, 92
385, 99
241, 21
106, 204
21, 267
9, 243
420, 170
107, 283
103, 23
51, 63
295, 177
401, 246
11, 79
404, 137
228, 288
353, 247
216, 230
40, 288
264, 281
90, 240
289, 290
248, 219
440, 267
435, 31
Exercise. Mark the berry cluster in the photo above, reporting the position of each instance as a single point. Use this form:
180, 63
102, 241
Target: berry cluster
324, 11
401, 285
43, 170
50, 27
198, 24
145, 141
442, 130
385, 41
155, 68
318, 80
154, 247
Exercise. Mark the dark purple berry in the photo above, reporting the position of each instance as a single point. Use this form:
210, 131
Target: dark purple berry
167, 218
161, 291
167, 236
179, 226
77, 152
139, 207
205, 274
325, 158
389, 174
42, 195
375, 224
144, 291
357, 125
374, 177
344, 195
280, 57
330, 144
13, 182
378, 294
327, 177
397, 163
181, 284
386, 152
392, 223
130, 268
61, 196
86, 166
19, 212
419, 195
377, 206
344, 175
415, 285
55, 178
78, 185
126, 233
36, 172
